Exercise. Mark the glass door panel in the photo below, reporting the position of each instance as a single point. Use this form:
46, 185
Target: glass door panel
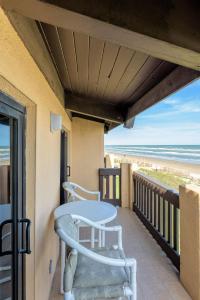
14, 228
5, 209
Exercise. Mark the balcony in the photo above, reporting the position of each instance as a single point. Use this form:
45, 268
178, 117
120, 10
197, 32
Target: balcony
157, 278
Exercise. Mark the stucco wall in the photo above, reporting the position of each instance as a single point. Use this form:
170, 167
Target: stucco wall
21, 78
189, 196
87, 152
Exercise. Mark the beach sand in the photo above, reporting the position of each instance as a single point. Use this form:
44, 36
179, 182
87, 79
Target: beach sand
4, 162
175, 167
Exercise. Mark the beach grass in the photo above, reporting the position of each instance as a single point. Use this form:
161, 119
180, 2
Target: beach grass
171, 180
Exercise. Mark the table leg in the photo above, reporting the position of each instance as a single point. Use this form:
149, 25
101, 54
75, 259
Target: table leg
78, 233
103, 239
92, 237
100, 241
62, 265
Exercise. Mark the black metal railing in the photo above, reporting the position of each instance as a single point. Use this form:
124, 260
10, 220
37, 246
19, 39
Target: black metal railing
110, 185
158, 209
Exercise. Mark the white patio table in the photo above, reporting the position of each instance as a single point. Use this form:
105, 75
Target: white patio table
96, 211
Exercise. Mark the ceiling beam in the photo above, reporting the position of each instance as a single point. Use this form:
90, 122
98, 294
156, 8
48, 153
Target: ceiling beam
129, 123
177, 79
93, 108
169, 30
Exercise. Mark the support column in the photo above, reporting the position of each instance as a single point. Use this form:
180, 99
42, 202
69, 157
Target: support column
126, 185
190, 239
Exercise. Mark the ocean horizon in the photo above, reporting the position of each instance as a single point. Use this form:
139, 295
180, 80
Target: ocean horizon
180, 153
4, 153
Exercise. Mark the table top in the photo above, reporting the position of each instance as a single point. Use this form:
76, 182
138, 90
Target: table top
96, 211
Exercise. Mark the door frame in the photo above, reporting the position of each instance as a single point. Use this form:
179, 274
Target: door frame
64, 162
17, 112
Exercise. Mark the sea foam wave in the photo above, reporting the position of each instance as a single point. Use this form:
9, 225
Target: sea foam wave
179, 153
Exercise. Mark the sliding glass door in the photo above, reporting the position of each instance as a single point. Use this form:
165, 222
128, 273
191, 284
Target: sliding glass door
14, 228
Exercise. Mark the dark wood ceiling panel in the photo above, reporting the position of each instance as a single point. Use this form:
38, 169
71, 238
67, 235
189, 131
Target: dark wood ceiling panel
52, 36
95, 59
68, 46
160, 72
137, 61
123, 59
109, 58
144, 72
82, 54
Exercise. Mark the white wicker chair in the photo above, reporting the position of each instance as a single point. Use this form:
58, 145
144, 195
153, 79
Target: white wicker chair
91, 274
73, 188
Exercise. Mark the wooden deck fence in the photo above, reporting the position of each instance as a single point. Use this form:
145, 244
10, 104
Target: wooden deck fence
158, 209
110, 185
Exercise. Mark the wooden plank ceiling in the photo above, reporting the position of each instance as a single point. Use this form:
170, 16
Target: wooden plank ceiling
99, 69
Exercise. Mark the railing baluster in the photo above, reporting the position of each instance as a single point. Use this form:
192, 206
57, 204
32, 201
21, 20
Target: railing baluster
169, 223
158, 200
138, 195
101, 186
178, 231
163, 214
114, 186
120, 185
155, 210
107, 186
141, 199
141, 196
175, 227
148, 202
135, 192
151, 207
145, 204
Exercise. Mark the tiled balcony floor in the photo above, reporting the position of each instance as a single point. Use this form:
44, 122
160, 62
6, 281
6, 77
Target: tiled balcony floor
157, 279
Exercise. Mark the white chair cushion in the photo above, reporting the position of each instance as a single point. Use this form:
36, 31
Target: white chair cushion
96, 280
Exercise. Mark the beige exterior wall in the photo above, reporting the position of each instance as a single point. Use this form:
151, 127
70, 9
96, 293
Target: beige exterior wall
108, 162
126, 185
21, 78
190, 239
87, 152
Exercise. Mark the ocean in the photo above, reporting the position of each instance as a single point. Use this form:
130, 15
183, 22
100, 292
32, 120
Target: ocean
181, 153
4, 153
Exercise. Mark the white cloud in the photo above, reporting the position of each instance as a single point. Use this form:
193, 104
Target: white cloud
165, 124
177, 106
163, 134
171, 100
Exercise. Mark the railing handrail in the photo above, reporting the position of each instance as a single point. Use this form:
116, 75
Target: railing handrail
164, 191
109, 171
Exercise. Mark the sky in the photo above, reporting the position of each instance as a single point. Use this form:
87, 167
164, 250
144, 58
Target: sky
173, 121
4, 135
